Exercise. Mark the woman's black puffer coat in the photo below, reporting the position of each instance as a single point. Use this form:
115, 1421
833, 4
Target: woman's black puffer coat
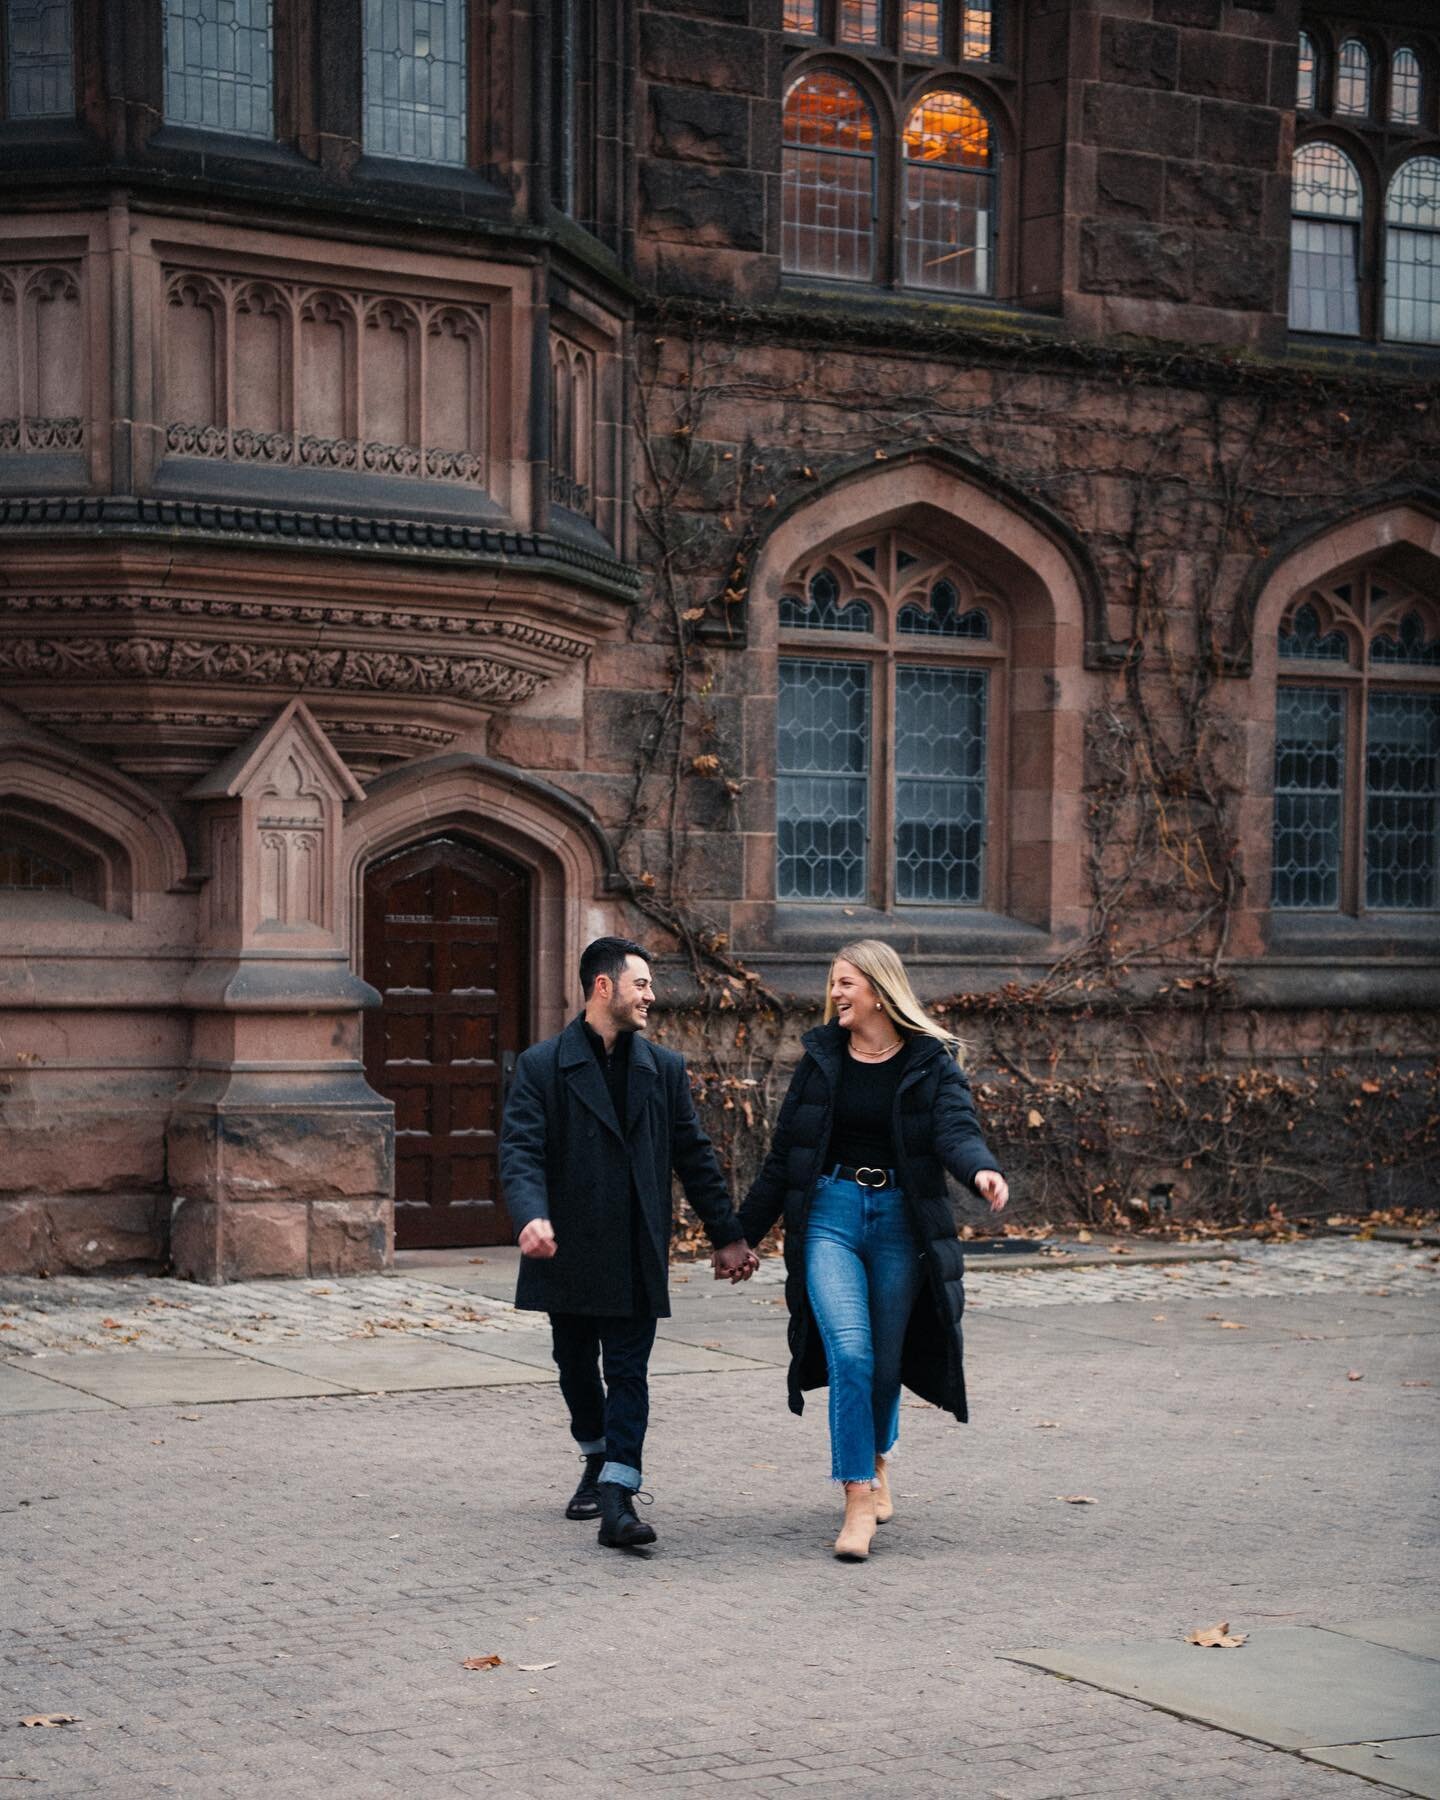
935, 1130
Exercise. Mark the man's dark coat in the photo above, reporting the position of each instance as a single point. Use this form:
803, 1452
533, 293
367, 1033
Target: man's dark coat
935, 1130
565, 1157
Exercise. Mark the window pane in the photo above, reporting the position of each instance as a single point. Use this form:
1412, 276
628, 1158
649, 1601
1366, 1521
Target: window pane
942, 617
1302, 641
1324, 184
1352, 79
1406, 643
940, 785
415, 79
1305, 79
1412, 252
1324, 285
920, 27
23, 871
1405, 88
1309, 764
1402, 802
802, 15
38, 36
859, 21
977, 41
949, 196
822, 780
828, 181
217, 65
820, 609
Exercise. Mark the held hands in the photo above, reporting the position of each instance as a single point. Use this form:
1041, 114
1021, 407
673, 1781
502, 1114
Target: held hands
538, 1239
990, 1185
737, 1261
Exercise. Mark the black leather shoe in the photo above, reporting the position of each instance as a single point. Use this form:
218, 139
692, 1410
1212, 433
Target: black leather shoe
619, 1528
585, 1501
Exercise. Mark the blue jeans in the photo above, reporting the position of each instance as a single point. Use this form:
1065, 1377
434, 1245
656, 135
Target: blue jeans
862, 1274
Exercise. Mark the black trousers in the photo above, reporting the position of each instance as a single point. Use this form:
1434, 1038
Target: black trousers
616, 1409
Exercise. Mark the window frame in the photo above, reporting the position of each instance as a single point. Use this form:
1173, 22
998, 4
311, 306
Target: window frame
1356, 680
883, 650
40, 121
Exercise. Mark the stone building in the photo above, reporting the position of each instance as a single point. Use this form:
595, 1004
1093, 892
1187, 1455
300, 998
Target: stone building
479, 473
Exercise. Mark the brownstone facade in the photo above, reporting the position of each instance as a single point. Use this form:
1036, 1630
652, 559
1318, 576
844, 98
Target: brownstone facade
423, 533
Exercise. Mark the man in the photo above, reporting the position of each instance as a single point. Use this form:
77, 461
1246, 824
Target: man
596, 1121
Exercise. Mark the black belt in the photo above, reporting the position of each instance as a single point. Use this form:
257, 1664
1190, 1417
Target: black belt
865, 1176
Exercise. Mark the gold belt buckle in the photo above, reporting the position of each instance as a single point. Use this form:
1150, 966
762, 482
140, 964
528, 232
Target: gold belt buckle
881, 1174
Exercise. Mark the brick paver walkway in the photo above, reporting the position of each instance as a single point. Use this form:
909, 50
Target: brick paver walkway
275, 1598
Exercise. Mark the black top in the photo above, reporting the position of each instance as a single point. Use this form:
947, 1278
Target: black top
864, 1112
614, 1066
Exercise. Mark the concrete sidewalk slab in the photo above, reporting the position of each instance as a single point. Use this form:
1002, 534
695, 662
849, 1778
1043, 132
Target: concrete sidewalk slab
22, 1391
1411, 1764
164, 1378
1187, 1322
403, 1365
1418, 1636
1294, 1686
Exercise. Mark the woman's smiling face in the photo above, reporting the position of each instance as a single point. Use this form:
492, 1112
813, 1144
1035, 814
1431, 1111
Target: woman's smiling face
850, 993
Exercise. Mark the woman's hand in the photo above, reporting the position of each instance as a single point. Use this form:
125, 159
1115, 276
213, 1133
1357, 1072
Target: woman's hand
991, 1185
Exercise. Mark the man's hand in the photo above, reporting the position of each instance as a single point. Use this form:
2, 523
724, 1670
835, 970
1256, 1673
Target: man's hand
990, 1185
538, 1239
737, 1261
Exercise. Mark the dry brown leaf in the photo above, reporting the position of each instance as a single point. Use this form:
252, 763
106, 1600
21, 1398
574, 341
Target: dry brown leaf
1157, 1318
1083, 1237
1415, 1384
1354, 1375
1078, 1499
1230, 1325
1217, 1637
1047, 1424
1034, 1119
691, 613
47, 1720
481, 1662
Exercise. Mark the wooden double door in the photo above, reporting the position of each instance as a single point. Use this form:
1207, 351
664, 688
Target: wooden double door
447, 943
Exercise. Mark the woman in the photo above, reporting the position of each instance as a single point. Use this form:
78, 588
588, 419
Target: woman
875, 1114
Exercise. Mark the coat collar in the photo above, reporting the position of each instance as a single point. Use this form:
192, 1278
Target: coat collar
826, 1043
577, 1059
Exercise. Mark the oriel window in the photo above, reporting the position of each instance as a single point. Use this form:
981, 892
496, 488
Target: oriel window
219, 65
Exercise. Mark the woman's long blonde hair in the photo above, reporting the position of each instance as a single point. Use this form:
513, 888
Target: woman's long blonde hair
885, 972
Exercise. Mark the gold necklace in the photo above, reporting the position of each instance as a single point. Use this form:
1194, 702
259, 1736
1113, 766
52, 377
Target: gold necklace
875, 1055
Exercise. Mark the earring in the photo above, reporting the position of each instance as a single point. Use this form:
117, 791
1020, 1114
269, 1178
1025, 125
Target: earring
879, 1007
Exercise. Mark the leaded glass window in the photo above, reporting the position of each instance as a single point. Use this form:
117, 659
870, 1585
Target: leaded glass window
977, 43
1412, 252
415, 80
828, 180
940, 784
860, 21
949, 202
1325, 242
1404, 87
39, 59
1309, 766
218, 65
920, 27
819, 607
1402, 802
1357, 751
1352, 80
942, 616
822, 787
1305, 77
802, 16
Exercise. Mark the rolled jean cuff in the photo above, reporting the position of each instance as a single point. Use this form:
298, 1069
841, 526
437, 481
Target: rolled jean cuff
591, 1446
621, 1474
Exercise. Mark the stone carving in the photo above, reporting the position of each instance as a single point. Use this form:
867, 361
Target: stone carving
400, 731
475, 678
285, 373
284, 612
572, 424
42, 357
291, 821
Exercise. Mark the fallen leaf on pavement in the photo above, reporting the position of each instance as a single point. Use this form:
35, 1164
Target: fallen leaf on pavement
191, 1418
533, 1668
1157, 1318
1415, 1384
1172, 1274
46, 1720
1230, 1325
1354, 1375
1047, 1424
1078, 1499
1217, 1637
481, 1662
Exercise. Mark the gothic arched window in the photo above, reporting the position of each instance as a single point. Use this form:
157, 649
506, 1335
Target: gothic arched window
1326, 218
948, 219
828, 179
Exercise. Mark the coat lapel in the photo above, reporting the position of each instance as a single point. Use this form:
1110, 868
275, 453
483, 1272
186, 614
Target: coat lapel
582, 1074
644, 1073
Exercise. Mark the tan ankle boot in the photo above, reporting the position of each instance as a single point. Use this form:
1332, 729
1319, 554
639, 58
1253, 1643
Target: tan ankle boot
853, 1543
884, 1500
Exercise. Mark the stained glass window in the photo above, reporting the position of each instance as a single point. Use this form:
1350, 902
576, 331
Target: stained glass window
1402, 802
1404, 88
1412, 252
1302, 641
1352, 80
415, 79
218, 65
1305, 78
39, 59
822, 780
828, 180
943, 616
948, 225
1325, 242
940, 785
819, 608
1309, 763
1406, 642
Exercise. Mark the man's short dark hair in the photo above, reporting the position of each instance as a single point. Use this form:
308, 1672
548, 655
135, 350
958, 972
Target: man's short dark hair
606, 956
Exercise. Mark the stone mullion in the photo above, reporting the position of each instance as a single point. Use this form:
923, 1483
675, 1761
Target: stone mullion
290, 392
225, 366
424, 315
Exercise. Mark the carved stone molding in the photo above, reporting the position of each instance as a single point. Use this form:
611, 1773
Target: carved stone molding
42, 358
230, 662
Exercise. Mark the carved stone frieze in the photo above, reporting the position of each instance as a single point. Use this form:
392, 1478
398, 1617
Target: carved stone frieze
42, 357
473, 678
42, 434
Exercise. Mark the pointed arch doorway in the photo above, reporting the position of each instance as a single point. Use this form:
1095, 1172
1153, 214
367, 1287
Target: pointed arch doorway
446, 932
